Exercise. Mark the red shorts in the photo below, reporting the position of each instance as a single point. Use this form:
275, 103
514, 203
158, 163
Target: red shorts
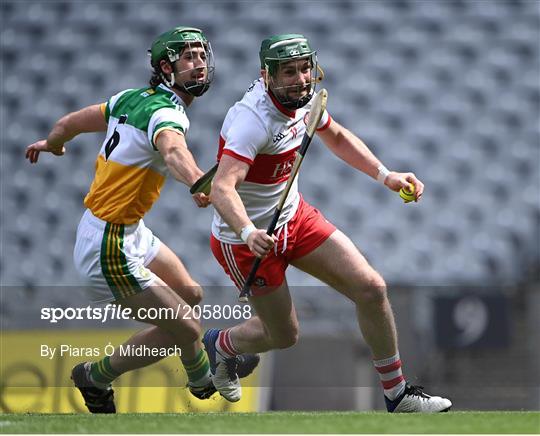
307, 229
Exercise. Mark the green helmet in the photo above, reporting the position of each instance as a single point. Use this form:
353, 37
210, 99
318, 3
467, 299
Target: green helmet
284, 48
169, 46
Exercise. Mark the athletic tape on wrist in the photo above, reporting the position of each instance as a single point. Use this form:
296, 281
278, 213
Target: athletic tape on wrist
246, 231
383, 174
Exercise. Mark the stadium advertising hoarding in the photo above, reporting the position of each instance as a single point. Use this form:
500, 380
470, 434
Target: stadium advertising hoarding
36, 365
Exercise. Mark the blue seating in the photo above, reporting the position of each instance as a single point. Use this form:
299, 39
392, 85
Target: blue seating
448, 90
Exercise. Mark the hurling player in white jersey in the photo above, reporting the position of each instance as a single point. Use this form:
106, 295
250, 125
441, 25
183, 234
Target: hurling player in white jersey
120, 257
259, 137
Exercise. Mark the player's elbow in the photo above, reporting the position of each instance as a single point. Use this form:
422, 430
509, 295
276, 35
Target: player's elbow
219, 190
339, 142
215, 194
170, 153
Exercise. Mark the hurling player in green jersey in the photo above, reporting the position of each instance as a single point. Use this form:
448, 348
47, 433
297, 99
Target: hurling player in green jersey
119, 256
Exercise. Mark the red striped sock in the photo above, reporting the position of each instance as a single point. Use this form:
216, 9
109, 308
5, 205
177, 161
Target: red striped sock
391, 376
225, 345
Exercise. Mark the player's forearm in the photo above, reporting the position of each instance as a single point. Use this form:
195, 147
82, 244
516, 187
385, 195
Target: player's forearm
355, 152
88, 119
229, 206
61, 133
182, 166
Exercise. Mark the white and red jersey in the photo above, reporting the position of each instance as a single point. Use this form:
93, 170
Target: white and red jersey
258, 130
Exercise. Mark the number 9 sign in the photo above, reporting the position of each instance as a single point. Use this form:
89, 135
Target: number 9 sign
472, 320
471, 317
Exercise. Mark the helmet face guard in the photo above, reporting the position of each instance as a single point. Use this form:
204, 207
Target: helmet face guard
170, 46
193, 87
290, 95
283, 52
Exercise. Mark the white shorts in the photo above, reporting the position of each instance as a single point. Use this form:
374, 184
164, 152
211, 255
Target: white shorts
113, 257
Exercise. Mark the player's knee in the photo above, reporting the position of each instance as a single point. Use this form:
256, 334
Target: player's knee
184, 333
191, 292
372, 291
194, 294
191, 331
184, 330
286, 340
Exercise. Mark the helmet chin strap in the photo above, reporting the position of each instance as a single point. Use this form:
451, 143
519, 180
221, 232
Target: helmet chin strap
169, 83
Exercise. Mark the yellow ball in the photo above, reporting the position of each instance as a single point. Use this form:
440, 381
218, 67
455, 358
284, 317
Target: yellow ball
407, 194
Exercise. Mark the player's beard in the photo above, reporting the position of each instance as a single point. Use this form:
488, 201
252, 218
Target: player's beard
193, 86
291, 96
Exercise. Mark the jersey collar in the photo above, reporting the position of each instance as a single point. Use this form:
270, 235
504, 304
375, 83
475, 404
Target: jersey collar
174, 97
280, 107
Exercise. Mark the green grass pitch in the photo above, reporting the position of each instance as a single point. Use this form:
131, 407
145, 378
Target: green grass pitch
275, 422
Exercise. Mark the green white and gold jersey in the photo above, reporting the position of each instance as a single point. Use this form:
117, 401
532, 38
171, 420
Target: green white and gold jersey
130, 171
